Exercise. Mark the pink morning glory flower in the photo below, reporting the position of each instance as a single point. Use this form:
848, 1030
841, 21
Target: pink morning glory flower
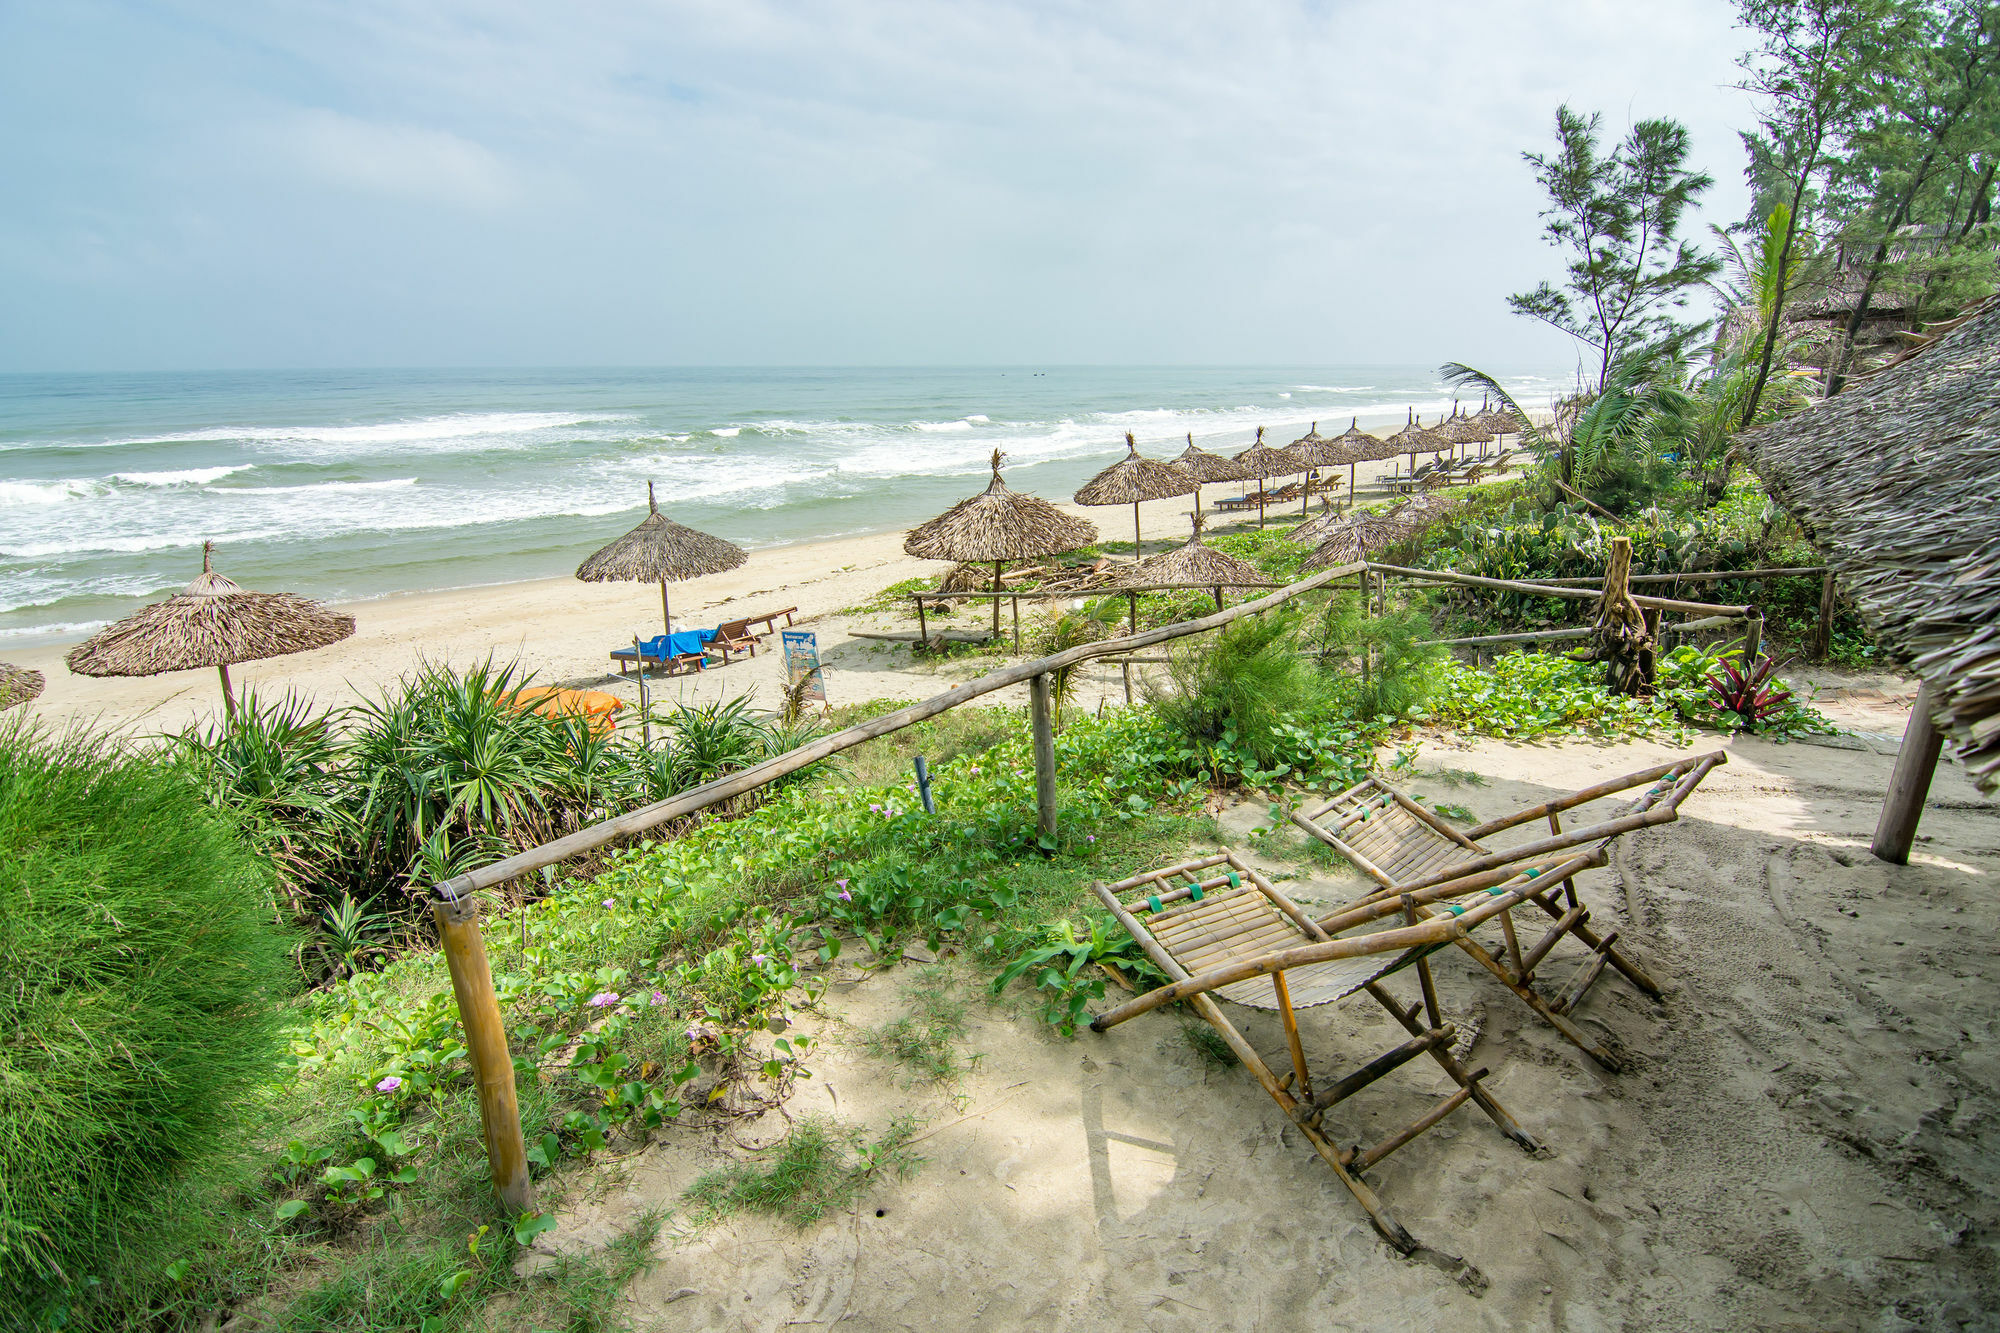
389, 1084
759, 959
610, 902
604, 999
840, 883
658, 999
844, 896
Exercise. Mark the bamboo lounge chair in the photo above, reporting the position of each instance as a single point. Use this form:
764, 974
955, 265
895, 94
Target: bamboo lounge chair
1217, 927
1423, 865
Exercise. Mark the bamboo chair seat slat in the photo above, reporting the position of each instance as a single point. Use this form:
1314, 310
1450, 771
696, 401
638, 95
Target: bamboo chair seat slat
1408, 854
1241, 924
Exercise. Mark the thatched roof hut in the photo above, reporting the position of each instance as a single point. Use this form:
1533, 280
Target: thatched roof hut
1132, 480
660, 551
1457, 429
18, 685
1897, 481
210, 623
997, 525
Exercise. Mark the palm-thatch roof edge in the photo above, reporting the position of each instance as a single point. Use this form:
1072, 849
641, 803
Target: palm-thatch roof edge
1897, 481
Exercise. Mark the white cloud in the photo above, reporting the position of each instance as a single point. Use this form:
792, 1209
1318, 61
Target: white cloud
410, 161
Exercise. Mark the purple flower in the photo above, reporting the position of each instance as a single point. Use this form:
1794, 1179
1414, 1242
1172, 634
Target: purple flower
610, 902
658, 999
759, 959
1090, 837
840, 883
604, 999
975, 768
844, 896
874, 807
389, 1084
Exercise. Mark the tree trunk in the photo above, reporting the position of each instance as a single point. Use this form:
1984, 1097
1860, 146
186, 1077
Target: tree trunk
1777, 311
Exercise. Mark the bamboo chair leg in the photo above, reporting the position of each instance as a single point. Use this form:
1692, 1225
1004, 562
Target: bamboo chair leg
1590, 940
1390, 1229
1498, 1114
1604, 1057
1291, 1021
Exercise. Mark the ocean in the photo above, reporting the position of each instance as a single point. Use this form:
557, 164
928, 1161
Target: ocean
346, 485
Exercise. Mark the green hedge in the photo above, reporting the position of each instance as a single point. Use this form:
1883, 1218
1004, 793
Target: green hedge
143, 982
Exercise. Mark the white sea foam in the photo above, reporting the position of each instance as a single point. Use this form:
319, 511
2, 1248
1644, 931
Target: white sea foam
418, 431
942, 425
195, 476
64, 629
48, 492
727, 432
1333, 388
320, 487
979, 419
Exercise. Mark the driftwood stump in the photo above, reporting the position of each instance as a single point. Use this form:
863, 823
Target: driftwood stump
1624, 638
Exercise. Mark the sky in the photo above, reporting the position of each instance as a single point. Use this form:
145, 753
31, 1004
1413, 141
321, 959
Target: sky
510, 182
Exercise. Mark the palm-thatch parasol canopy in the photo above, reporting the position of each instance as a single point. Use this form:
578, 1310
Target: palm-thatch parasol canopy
660, 551
1261, 461
18, 685
1415, 439
1195, 565
997, 525
1134, 479
1502, 421
210, 623
1457, 429
1357, 536
1353, 445
1204, 467
1315, 451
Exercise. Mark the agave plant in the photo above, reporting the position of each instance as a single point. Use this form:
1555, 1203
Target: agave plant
1754, 695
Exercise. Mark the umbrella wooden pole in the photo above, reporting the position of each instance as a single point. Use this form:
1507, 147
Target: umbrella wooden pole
666, 617
1197, 499
996, 600
486, 1044
228, 696
1350, 485
1136, 550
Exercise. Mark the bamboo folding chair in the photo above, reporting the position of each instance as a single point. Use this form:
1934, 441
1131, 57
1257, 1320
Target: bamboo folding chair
1422, 862
1217, 927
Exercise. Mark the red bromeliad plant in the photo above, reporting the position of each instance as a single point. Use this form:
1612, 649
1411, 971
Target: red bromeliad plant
1755, 696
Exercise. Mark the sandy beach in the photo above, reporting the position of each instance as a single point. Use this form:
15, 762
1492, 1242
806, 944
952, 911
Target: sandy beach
563, 631
1804, 1138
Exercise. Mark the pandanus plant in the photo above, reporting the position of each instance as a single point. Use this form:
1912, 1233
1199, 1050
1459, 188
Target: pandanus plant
1754, 694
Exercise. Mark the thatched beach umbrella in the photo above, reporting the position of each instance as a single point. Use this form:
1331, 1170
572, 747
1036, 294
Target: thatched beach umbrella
1414, 439
1501, 421
1193, 565
997, 525
210, 623
1204, 467
18, 685
1132, 480
1315, 451
1355, 445
1260, 462
660, 551
1458, 429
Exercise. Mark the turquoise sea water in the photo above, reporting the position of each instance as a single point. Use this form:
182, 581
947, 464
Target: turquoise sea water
351, 484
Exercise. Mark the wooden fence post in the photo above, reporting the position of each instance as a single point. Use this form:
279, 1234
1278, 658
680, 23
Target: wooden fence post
486, 1046
1823, 637
1045, 754
1753, 640
1909, 784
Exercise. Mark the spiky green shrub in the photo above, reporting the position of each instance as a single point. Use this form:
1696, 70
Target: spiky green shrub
143, 978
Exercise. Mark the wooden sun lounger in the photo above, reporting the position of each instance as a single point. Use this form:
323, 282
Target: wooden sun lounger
1218, 928
680, 664
770, 622
1423, 864
1230, 504
734, 637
